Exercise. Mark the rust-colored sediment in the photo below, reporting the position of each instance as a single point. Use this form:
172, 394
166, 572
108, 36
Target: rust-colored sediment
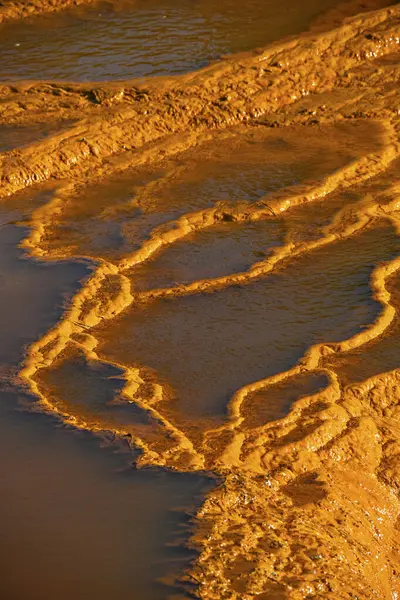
309, 504
17, 9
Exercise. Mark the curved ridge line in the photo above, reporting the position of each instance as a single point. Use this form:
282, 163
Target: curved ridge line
197, 221
197, 114
58, 338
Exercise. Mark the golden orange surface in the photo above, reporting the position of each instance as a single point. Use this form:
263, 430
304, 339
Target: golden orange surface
243, 224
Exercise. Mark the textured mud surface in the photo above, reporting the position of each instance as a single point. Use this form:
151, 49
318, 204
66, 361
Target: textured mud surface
243, 222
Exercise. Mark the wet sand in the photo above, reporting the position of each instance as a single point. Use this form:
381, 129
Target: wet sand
211, 264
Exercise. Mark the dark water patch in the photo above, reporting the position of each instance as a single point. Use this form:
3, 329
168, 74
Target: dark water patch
76, 523
378, 356
374, 358
153, 37
33, 294
92, 391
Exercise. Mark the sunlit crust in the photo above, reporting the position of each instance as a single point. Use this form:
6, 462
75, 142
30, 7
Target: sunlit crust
313, 517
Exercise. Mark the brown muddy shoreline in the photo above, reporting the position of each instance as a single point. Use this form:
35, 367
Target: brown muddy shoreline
121, 117
309, 506
13, 9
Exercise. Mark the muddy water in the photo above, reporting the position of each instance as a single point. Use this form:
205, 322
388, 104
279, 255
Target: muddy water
217, 251
75, 520
244, 164
276, 402
377, 357
143, 38
49, 287
77, 523
244, 333
210, 276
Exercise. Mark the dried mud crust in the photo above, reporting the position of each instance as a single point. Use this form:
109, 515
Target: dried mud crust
309, 504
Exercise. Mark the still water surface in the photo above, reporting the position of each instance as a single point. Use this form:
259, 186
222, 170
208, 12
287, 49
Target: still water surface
76, 520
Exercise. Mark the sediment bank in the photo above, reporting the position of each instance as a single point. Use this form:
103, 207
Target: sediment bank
309, 504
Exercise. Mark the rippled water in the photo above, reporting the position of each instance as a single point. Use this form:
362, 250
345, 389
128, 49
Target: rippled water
154, 37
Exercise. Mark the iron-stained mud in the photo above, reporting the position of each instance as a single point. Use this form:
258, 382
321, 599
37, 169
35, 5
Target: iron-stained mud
240, 318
